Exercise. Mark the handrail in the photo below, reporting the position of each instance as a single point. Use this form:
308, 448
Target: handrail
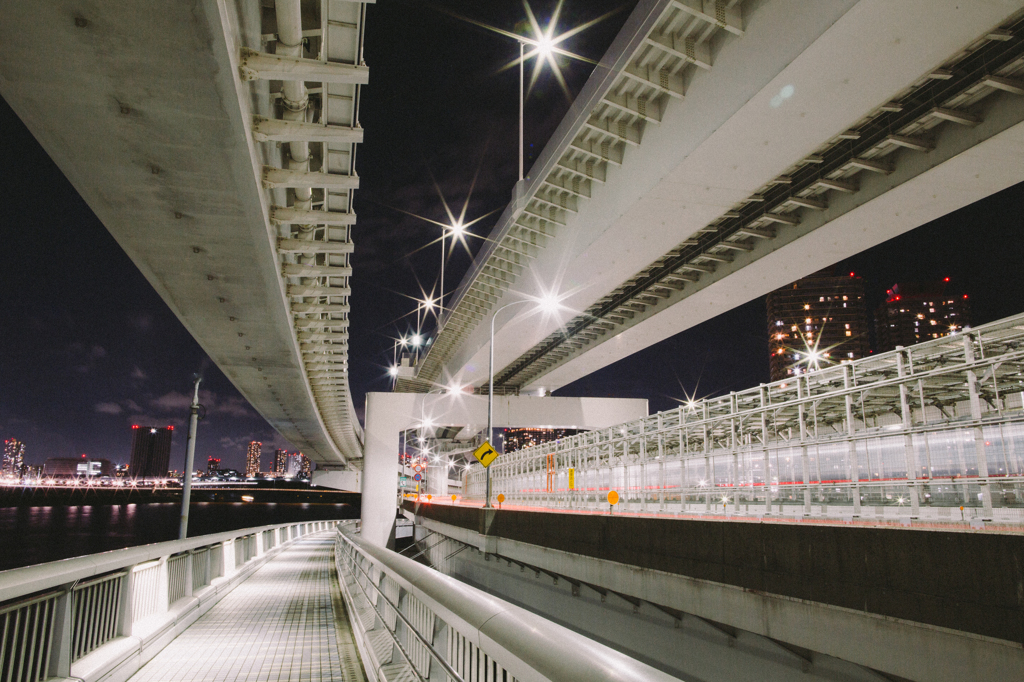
15, 582
434, 653
527, 645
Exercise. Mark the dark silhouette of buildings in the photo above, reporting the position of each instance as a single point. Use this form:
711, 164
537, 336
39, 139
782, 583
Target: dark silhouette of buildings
913, 312
70, 467
815, 322
151, 451
519, 438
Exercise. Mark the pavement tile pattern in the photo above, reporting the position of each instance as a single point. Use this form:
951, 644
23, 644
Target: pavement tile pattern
277, 625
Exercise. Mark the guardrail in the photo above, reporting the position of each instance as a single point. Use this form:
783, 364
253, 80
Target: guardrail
84, 617
918, 432
412, 622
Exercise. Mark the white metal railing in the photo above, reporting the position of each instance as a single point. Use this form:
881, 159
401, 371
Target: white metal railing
916, 432
95, 612
26, 626
53, 615
439, 629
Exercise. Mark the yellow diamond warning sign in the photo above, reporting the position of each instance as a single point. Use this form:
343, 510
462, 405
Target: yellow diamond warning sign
485, 454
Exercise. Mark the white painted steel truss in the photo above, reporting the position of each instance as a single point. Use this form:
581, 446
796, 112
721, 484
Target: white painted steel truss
315, 69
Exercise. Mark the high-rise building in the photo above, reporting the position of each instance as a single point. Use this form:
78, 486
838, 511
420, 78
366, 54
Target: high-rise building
151, 451
517, 439
212, 465
14, 458
280, 462
306, 468
918, 311
252, 458
817, 321
293, 467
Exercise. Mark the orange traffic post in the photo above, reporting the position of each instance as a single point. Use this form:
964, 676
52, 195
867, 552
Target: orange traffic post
613, 499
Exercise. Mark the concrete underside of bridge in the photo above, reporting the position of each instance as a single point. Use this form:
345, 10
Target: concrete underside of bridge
715, 600
137, 104
732, 134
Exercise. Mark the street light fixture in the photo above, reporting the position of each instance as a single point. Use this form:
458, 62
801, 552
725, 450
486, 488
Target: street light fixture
548, 304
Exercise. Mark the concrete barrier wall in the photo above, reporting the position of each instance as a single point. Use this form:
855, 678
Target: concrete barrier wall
971, 582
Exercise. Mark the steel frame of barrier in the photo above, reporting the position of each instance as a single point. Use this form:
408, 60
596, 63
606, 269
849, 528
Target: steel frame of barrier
917, 432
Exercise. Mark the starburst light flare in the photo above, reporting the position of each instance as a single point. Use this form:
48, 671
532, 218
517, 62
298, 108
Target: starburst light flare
543, 42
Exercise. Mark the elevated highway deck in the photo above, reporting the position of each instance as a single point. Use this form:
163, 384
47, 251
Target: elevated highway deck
712, 158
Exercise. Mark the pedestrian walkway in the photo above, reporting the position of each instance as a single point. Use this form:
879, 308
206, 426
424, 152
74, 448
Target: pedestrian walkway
277, 625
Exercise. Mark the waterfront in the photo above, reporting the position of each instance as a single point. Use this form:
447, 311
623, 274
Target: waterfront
37, 534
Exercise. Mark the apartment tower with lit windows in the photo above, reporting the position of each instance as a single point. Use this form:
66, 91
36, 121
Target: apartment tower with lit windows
815, 322
14, 458
919, 311
252, 458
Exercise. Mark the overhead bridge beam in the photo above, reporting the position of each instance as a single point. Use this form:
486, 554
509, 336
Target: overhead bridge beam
276, 130
309, 308
302, 290
284, 215
261, 66
280, 177
308, 246
299, 270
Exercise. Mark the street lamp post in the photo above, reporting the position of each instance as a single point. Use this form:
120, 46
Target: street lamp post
545, 304
522, 48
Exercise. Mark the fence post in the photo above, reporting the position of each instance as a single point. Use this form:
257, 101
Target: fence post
189, 567
60, 651
979, 437
124, 607
164, 586
227, 558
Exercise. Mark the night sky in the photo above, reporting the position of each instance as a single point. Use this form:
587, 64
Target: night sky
87, 348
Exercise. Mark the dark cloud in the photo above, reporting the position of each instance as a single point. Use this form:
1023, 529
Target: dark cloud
109, 408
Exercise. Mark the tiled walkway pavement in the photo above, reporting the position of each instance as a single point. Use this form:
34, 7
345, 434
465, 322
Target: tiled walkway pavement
277, 625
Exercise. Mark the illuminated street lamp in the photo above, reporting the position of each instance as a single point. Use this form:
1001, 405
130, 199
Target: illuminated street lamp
548, 304
544, 45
